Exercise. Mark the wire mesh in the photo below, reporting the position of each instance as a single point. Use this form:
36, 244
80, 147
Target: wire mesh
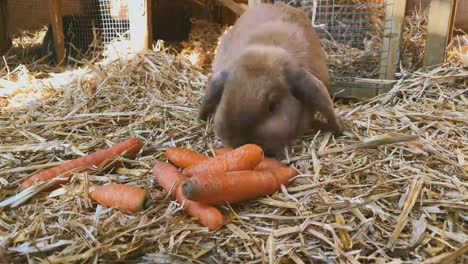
352, 33
90, 28
113, 28
82, 30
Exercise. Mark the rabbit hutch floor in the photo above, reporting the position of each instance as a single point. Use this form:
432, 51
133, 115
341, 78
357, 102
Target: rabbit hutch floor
393, 189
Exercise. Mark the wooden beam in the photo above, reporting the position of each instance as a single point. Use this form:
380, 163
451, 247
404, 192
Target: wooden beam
55, 13
5, 41
139, 14
394, 19
235, 7
253, 3
199, 2
441, 16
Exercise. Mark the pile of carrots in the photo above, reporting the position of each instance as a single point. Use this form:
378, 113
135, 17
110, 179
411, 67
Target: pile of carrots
231, 176
126, 197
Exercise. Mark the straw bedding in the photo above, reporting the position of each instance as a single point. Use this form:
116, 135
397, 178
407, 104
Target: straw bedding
393, 189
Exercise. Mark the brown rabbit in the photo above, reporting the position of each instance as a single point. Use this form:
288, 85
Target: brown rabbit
269, 78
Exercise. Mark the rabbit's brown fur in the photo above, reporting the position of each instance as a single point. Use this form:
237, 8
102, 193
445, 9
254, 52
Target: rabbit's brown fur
269, 78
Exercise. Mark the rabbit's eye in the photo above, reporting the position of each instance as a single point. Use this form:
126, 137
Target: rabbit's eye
272, 106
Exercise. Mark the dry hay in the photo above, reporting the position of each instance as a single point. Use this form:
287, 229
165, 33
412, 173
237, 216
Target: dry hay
352, 32
457, 50
355, 201
414, 39
25, 50
201, 45
375, 195
346, 61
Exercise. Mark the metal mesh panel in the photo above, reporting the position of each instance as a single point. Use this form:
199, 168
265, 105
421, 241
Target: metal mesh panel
90, 28
352, 33
82, 31
112, 28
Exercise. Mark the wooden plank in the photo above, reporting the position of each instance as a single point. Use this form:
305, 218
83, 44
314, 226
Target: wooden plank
35, 14
441, 15
139, 16
394, 18
461, 19
235, 7
452, 21
55, 13
5, 41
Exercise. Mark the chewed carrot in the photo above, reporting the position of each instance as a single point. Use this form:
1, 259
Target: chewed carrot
182, 157
236, 186
128, 148
246, 157
128, 198
170, 178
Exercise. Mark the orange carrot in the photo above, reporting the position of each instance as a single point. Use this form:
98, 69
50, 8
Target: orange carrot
221, 151
128, 198
266, 164
184, 158
236, 186
129, 148
269, 164
246, 157
170, 178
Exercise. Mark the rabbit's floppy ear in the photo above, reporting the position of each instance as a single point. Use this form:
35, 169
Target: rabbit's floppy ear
313, 94
213, 93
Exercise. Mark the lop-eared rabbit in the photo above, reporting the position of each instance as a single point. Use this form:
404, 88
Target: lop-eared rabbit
269, 78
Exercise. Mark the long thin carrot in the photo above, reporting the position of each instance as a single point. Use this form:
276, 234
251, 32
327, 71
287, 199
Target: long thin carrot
184, 158
269, 164
236, 186
266, 164
128, 148
246, 157
169, 177
128, 198
221, 151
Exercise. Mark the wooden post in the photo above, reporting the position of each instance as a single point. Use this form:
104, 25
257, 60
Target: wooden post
139, 14
5, 41
55, 13
149, 22
394, 18
439, 30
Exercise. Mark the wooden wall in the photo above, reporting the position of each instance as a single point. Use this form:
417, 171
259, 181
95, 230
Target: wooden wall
5, 41
34, 14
